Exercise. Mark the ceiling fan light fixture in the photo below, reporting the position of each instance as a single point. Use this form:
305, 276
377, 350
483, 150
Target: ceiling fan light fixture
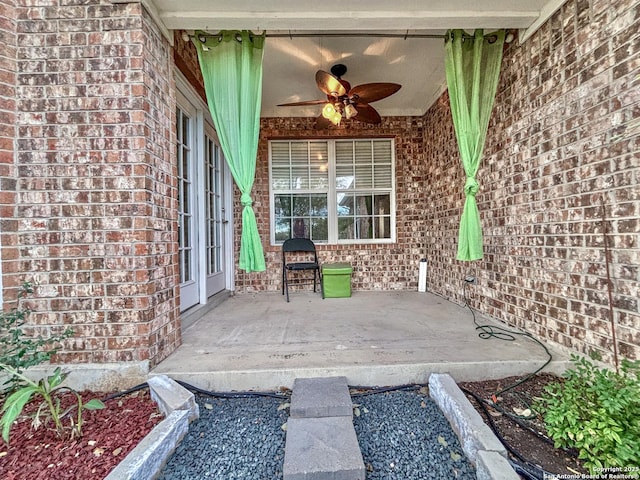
328, 111
336, 118
350, 111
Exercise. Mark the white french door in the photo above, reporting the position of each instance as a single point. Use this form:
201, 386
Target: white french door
214, 214
187, 246
203, 225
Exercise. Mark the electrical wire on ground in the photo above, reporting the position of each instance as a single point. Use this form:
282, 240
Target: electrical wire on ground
201, 391
493, 331
524, 467
126, 392
247, 394
363, 391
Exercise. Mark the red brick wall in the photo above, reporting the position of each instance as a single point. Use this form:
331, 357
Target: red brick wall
8, 239
376, 267
95, 217
96, 213
563, 138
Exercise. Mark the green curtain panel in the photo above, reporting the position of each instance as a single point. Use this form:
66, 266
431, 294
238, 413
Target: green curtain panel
472, 66
231, 64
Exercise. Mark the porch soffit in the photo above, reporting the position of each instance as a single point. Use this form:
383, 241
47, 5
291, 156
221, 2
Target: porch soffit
290, 63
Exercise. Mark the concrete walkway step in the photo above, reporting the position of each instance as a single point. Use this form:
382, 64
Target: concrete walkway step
321, 442
321, 397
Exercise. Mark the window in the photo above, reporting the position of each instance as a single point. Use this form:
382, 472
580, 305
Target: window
333, 191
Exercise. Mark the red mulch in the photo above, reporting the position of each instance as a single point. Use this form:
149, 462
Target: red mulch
108, 435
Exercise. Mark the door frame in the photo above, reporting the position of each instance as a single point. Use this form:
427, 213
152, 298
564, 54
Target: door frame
184, 90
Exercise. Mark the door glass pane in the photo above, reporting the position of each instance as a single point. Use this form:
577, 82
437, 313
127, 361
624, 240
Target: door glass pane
213, 195
185, 193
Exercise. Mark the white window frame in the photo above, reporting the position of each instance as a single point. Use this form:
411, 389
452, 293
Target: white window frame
332, 217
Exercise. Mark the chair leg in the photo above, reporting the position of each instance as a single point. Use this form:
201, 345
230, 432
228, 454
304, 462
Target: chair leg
286, 284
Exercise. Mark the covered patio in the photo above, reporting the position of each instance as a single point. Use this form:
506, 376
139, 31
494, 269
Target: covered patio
260, 342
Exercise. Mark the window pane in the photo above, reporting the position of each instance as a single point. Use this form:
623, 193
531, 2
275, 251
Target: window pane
363, 205
299, 178
318, 165
345, 205
186, 265
363, 152
319, 205
301, 228
280, 178
382, 204
364, 176
382, 227
364, 227
382, 176
345, 228
280, 154
345, 178
282, 206
319, 229
344, 152
283, 229
299, 153
300, 206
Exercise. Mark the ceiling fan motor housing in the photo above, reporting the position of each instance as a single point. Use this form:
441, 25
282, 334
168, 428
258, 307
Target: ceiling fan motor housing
339, 70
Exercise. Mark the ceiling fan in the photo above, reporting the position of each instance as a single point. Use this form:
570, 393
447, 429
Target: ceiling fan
344, 101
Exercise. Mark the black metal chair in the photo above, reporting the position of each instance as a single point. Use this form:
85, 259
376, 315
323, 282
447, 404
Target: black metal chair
306, 259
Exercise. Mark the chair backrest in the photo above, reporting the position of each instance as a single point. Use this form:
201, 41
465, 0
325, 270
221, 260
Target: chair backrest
298, 245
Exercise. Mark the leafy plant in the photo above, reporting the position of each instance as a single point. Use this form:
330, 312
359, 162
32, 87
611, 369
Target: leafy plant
51, 391
19, 350
597, 412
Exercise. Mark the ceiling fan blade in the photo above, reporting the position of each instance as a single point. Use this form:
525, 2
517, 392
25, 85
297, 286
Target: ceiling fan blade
367, 114
372, 92
322, 123
329, 84
306, 102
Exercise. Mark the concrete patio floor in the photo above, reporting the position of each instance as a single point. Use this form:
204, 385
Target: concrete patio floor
260, 342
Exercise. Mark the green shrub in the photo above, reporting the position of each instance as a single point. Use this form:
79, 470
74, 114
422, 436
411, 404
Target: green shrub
18, 352
597, 412
52, 392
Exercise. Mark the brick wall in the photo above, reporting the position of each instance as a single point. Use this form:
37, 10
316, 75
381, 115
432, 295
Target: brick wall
94, 220
563, 139
96, 211
376, 267
8, 239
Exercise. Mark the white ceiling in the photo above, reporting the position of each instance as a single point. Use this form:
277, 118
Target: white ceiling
290, 63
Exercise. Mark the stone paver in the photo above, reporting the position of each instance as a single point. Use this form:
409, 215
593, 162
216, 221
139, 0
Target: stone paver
321, 397
322, 449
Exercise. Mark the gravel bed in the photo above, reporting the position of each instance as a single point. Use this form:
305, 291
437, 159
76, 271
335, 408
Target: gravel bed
402, 435
233, 438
